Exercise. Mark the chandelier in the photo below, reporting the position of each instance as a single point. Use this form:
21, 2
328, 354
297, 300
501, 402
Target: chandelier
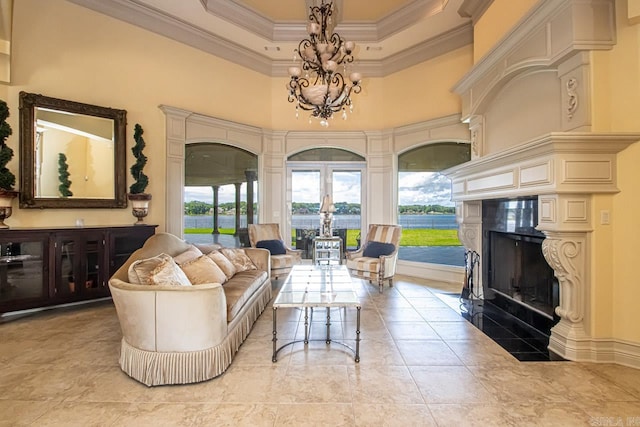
317, 85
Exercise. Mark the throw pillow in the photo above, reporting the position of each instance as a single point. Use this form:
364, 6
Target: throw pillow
223, 262
239, 259
158, 270
275, 247
188, 255
203, 270
378, 249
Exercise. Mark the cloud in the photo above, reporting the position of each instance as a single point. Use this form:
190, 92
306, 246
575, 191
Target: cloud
414, 188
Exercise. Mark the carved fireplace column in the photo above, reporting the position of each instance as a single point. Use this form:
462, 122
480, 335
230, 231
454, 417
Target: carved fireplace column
566, 222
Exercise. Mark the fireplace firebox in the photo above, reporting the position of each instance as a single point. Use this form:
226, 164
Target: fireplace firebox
517, 278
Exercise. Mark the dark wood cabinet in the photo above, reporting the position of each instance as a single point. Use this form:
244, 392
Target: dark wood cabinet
42, 267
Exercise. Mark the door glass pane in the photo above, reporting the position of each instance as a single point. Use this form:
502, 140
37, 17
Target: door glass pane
347, 198
305, 206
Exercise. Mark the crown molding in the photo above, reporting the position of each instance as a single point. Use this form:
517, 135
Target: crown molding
474, 9
144, 16
275, 32
156, 21
429, 49
242, 16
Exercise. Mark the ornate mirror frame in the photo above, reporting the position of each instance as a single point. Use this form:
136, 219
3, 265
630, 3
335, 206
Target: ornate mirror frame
29, 102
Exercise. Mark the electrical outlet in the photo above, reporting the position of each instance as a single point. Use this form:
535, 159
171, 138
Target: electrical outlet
604, 218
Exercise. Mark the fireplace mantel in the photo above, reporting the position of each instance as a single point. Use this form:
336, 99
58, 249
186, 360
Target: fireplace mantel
559, 162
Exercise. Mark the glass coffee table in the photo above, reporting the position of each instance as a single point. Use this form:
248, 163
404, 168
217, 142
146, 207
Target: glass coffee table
317, 286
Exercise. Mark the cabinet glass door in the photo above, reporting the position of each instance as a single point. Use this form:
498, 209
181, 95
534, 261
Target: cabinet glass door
22, 270
80, 265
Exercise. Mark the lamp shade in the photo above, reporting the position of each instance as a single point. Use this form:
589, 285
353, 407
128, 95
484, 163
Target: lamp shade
327, 204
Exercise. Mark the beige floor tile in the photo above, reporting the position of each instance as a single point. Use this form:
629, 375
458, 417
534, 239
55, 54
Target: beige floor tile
449, 384
620, 413
627, 378
314, 384
61, 368
427, 302
320, 415
439, 315
391, 384
427, 353
82, 414
517, 415
400, 314
519, 383
392, 415
412, 331
458, 331
319, 353
17, 413
380, 353
481, 352
591, 387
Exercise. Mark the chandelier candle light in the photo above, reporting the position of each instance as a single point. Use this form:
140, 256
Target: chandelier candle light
317, 85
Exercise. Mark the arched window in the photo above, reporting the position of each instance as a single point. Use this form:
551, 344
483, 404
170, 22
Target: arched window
425, 209
220, 186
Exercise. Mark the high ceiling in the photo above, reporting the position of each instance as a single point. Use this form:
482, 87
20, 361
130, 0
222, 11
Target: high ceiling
262, 34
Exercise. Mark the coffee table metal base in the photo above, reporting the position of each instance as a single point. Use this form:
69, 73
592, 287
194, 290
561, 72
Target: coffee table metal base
307, 327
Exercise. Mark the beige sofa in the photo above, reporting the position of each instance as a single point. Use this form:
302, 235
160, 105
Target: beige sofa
185, 334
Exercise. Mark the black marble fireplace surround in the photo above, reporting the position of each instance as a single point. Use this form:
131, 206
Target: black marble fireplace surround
518, 284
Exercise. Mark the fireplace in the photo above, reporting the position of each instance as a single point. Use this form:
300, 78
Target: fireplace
517, 278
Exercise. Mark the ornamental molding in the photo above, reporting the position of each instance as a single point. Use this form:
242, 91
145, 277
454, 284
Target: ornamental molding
572, 97
553, 31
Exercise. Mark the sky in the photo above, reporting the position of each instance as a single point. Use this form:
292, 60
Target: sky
414, 188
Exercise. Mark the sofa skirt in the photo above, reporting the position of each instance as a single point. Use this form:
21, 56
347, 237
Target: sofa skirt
159, 368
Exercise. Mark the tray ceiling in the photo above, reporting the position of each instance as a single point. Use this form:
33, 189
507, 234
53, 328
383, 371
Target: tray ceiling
262, 34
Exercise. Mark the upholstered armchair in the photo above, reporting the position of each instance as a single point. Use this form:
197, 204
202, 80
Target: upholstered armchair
376, 258
283, 258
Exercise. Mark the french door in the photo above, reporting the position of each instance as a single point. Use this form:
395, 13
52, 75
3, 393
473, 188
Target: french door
308, 183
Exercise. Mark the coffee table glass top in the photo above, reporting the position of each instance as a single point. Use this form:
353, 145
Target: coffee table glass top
317, 286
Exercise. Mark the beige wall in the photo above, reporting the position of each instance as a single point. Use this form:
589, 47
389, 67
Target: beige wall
66, 51
494, 24
70, 52
424, 91
616, 107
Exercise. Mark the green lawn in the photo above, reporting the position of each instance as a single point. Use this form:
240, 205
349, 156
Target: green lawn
410, 236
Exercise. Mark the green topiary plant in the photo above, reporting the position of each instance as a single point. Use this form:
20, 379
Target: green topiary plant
141, 180
63, 176
7, 178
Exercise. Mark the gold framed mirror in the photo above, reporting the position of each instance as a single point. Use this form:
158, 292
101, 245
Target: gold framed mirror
72, 155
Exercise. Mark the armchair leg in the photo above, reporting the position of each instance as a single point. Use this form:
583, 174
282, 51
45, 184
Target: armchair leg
391, 282
380, 284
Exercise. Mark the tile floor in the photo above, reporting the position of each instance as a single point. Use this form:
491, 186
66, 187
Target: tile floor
421, 364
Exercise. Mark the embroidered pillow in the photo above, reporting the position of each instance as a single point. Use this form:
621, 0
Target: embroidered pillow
159, 270
378, 249
239, 259
189, 255
203, 270
223, 262
275, 247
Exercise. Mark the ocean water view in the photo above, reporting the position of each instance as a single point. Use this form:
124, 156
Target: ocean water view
447, 255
